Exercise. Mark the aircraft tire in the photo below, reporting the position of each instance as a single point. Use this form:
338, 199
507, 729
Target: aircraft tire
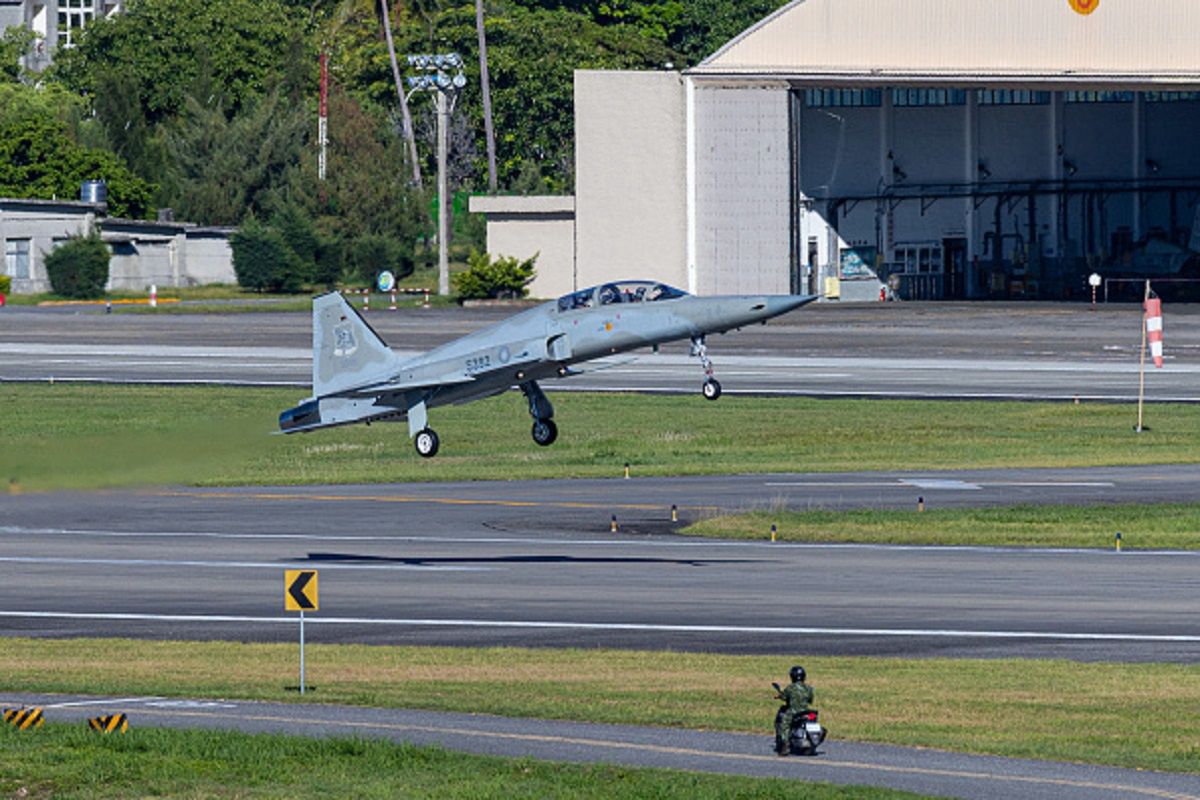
711, 389
544, 432
427, 443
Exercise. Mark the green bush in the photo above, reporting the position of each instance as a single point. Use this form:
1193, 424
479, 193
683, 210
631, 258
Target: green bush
297, 231
372, 254
331, 262
263, 261
78, 268
5, 284
484, 278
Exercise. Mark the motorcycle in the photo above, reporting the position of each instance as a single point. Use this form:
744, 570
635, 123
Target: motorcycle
806, 733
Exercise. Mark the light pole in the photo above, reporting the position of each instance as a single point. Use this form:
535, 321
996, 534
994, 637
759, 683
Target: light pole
443, 75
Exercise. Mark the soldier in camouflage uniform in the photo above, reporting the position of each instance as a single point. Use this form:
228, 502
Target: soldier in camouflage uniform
797, 697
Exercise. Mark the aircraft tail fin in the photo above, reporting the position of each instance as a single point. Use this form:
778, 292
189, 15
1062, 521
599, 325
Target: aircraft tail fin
346, 350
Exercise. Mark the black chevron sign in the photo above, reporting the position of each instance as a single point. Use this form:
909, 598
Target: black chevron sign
300, 589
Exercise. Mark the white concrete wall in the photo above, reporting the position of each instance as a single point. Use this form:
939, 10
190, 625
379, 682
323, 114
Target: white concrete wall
630, 177
521, 227
206, 259
44, 225
742, 204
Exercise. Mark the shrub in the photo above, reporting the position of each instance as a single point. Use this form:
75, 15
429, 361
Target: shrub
5, 284
484, 278
78, 268
297, 231
263, 261
372, 254
331, 261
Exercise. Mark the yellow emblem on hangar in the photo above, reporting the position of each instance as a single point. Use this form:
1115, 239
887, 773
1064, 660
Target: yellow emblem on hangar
1084, 7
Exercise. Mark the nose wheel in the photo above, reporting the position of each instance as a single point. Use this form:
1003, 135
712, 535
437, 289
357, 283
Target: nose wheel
712, 387
544, 432
427, 443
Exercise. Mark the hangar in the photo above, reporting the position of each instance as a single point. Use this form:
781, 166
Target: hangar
934, 149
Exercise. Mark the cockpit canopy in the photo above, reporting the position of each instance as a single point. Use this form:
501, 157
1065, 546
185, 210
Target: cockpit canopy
619, 292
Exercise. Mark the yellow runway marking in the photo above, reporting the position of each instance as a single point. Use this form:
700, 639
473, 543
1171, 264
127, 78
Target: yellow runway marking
652, 748
446, 501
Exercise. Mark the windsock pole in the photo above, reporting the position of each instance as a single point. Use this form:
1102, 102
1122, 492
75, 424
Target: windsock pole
1142, 362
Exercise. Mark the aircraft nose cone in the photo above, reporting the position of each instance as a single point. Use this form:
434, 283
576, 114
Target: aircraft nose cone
782, 304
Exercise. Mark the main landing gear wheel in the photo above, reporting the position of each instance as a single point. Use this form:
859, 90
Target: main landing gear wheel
427, 443
545, 432
711, 389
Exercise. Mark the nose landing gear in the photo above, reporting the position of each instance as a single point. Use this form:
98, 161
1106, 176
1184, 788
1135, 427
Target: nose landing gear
712, 387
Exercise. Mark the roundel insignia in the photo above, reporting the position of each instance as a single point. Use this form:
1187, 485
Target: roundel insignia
1084, 7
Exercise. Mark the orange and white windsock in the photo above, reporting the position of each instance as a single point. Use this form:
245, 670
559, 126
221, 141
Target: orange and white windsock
1154, 328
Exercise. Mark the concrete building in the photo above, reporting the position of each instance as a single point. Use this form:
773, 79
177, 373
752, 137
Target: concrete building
54, 22
143, 253
945, 149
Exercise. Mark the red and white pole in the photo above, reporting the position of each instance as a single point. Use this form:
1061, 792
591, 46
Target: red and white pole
323, 119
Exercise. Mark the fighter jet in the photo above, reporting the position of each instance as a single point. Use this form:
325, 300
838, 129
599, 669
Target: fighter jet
357, 378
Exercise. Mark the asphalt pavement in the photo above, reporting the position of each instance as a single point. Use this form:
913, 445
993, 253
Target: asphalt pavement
922, 770
981, 350
535, 563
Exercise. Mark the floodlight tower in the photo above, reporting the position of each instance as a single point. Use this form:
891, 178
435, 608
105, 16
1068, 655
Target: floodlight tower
443, 75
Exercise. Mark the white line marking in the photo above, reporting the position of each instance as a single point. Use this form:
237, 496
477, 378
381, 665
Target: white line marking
943, 484
121, 700
153, 562
612, 626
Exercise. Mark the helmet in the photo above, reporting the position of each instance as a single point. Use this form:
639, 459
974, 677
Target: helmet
797, 673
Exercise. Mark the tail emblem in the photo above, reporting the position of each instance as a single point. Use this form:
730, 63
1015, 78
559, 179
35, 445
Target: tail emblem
344, 342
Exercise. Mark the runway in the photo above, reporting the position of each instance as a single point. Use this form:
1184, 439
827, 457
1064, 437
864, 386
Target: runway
993, 351
534, 563
925, 771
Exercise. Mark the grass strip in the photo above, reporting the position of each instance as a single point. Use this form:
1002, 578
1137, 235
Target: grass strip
87, 436
71, 762
1046, 709
1159, 527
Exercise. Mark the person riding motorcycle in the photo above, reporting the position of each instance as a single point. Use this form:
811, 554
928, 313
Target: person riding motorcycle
797, 697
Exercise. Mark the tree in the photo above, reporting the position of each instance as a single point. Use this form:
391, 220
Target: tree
409, 136
297, 231
166, 46
221, 167
263, 261
485, 90
371, 255
705, 25
78, 268
532, 56
39, 160
14, 44
364, 192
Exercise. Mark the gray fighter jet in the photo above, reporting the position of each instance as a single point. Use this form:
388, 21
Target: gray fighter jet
357, 378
